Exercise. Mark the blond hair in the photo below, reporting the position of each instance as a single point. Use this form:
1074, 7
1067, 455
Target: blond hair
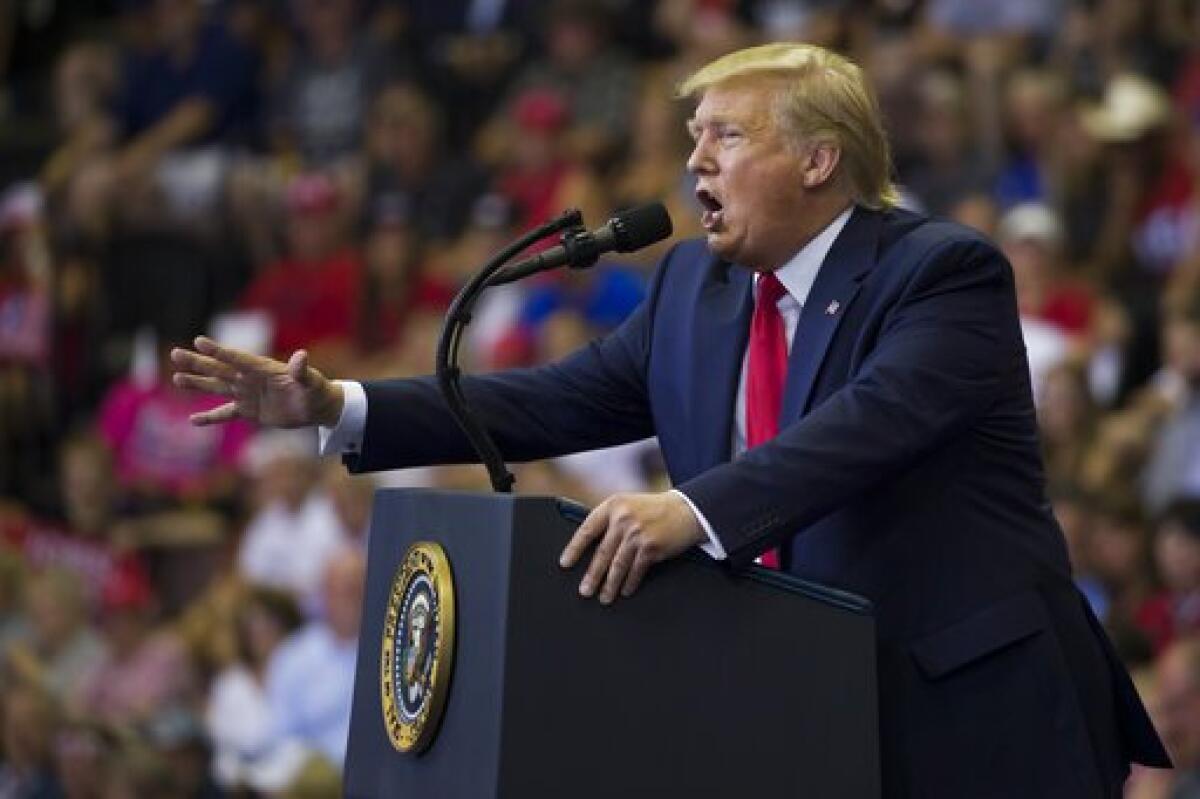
822, 96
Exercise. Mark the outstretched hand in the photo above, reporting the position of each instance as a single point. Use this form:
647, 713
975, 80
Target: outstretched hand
264, 390
634, 531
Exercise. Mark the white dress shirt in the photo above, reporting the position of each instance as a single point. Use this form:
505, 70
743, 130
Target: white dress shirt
797, 276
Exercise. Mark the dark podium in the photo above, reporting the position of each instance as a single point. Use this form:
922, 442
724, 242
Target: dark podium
704, 683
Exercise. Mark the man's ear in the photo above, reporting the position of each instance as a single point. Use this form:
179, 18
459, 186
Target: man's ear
820, 162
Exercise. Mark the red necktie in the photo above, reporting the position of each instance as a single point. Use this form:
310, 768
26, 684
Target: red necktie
766, 373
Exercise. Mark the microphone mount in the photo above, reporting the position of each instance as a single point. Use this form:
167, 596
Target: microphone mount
448, 372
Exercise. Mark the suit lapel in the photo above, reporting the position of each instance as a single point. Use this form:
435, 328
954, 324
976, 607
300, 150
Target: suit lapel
836, 286
723, 324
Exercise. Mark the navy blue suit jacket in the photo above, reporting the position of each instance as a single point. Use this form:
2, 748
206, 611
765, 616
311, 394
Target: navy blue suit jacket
907, 470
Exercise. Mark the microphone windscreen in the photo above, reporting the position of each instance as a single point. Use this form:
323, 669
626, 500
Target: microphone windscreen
640, 227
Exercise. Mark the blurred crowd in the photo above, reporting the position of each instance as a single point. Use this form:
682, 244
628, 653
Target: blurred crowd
179, 606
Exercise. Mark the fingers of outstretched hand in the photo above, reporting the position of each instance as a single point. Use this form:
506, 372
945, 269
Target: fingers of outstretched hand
239, 360
194, 363
207, 385
221, 413
297, 367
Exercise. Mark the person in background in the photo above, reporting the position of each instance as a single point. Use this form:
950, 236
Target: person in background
1067, 419
80, 540
294, 531
162, 462
397, 285
29, 718
1174, 612
147, 669
238, 714
1177, 712
183, 100
591, 73
405, 156
13, 624
311, 675
946, 166
309, 294
1173, 468
1055, 312
62, 652
537, 173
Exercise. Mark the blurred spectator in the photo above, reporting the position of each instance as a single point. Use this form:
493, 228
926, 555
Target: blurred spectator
334, 72
1175, 611
29, 718
1178, 714
134, 770
963, 18
407, 159
179, 737
1147, 186
238, 715
310, 293
1118, 553
62, 652
310, 678
1173, 469
1031, 236
468, 51
81, 542
1067, 418
12, 576
161, 458
397, 283
1034, 105
316, 108
183, 97
947, 166
294, 531
147, 669
564, 312
1074, 509
25, 338
352, 496
591, 73
85, 80
538, 176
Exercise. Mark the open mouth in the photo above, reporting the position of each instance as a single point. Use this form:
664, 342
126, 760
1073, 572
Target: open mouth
712, 210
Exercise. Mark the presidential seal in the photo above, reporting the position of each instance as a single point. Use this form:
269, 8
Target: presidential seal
418, 647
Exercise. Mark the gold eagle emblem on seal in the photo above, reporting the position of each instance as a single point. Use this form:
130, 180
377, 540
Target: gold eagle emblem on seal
418, 647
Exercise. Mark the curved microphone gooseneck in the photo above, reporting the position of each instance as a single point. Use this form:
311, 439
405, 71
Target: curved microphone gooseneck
457, 319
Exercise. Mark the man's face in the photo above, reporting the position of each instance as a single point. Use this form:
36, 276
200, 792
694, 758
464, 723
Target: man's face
749, 177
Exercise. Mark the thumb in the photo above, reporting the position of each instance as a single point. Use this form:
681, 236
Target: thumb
297, 367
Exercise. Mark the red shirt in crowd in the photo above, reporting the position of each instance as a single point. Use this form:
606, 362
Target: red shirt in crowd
47, 545
309, 303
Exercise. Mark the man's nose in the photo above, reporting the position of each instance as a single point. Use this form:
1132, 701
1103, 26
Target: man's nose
700, 162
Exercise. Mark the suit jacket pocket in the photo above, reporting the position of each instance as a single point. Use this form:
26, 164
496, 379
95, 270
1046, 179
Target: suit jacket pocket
990, 630
992, 713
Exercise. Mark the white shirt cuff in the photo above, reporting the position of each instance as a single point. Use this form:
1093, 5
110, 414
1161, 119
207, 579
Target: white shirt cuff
347, 434
712, 547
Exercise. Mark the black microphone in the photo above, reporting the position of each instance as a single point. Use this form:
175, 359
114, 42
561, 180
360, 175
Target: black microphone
627, 231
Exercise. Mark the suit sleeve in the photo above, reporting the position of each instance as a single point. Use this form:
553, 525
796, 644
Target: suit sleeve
595, 397
939, 358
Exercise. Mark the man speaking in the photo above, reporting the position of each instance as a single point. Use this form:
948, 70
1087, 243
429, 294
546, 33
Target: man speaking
839, 388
